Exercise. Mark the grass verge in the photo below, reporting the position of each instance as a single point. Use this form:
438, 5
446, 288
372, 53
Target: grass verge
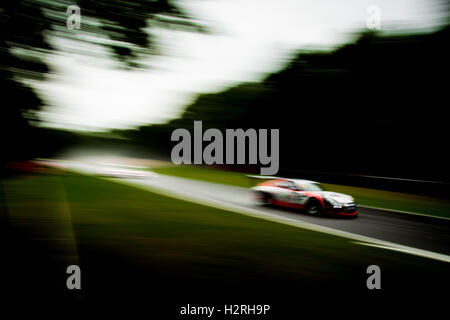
133, 245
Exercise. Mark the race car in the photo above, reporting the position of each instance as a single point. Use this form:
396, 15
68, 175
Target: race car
305, 195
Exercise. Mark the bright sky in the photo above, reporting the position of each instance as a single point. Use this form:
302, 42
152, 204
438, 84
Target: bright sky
252, 38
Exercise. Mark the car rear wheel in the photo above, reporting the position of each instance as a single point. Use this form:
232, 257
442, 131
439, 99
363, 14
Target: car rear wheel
313, 207
263, 198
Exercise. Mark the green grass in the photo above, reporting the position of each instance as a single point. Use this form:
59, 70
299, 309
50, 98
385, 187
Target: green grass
364, 196
142, 239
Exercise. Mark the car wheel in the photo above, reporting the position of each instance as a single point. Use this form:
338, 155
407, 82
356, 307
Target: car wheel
313, 207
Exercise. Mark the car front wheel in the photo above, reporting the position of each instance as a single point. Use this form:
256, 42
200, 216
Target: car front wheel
313, 207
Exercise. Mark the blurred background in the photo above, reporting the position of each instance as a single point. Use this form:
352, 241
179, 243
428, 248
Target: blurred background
357, 89
371, 99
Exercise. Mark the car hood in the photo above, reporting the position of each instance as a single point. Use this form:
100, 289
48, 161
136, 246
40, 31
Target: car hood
336, 196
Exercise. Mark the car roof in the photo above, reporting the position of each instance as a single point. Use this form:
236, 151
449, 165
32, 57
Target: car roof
301, 181
268, 178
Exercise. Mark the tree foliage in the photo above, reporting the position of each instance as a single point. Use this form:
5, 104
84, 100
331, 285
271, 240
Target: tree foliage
375, 106
26, 27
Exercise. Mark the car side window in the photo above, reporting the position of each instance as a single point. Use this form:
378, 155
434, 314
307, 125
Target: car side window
288, 185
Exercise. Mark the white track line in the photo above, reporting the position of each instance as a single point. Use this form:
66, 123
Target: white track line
405, 212
383, 247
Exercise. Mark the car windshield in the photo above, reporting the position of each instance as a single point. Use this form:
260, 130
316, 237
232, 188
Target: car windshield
306, 186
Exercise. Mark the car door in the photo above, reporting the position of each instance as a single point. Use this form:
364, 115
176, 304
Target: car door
289, 192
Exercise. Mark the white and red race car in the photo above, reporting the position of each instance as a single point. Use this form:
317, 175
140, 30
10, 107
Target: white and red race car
304, 195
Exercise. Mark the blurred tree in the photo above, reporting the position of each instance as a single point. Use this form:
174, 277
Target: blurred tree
375, 106
25, 29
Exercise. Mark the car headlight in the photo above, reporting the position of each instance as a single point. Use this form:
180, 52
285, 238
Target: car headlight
333, 202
